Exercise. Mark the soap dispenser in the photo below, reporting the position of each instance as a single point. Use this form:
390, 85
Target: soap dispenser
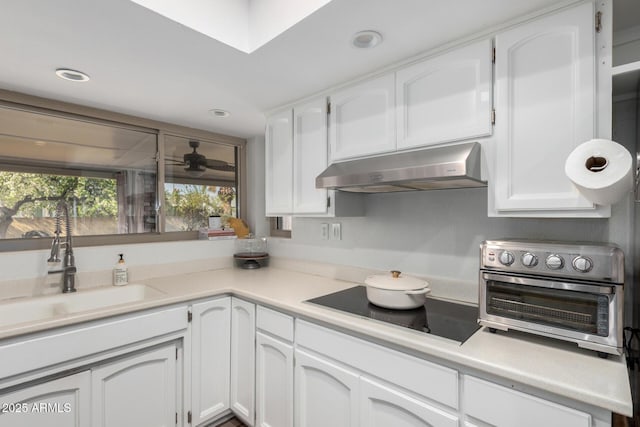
120, 272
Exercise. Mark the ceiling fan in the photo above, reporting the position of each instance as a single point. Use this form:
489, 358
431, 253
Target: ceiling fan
196, 164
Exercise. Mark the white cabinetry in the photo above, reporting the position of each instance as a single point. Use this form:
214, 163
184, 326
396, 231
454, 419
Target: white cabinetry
210, 358
406, 392
309, 156
445, 98
362, 119
278, 164
62, 402
296, 153
326, 394
545, 107
243, 331
502, 407
274, 382
139, 390
383, 405
274, 369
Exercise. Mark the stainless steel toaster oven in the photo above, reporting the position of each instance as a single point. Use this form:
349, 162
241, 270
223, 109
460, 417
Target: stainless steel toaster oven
572, 292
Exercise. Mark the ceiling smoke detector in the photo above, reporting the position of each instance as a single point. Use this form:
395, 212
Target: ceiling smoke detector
366, 39
72, 75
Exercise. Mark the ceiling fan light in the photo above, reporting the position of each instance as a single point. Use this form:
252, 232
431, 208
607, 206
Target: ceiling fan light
194, 170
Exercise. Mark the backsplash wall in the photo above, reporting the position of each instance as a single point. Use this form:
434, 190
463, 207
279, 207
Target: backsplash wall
430, 233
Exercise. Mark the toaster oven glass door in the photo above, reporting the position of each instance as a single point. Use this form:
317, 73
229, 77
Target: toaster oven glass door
576, 307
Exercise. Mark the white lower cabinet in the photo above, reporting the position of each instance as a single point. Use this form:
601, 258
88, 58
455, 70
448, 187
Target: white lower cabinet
384, 405
243, 333
62, 402
274, 382
326, 394
489, 403
210, 359
136, 391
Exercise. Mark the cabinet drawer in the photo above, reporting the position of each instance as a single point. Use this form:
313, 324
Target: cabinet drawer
503, 407
430, 380
276, 323
63, 345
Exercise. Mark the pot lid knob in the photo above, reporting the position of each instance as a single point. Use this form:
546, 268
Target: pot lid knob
395, 274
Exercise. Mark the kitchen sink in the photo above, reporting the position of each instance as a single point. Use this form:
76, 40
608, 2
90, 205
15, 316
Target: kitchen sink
47, 307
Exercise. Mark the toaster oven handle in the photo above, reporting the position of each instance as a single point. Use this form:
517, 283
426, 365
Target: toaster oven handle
552, 284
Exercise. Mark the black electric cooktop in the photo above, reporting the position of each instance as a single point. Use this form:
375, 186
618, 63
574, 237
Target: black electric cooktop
442, 318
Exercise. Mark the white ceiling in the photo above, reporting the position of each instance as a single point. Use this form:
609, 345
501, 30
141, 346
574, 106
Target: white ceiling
144, 64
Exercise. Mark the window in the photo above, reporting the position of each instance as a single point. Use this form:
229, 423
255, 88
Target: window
105, 174
115, 178
280, 226
200, 181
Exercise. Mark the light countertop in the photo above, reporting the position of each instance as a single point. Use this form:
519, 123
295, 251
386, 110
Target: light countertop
554, 366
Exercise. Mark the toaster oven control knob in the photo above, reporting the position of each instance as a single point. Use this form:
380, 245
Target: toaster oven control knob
507, 258
582, 264
554, 262
529, 260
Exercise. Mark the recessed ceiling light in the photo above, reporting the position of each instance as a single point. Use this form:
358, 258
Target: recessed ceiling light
72, 75
216, 112
366, 39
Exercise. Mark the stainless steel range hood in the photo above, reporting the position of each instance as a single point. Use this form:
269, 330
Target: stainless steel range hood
453, 166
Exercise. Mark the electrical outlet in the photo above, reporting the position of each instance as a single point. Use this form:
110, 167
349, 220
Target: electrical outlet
336, 231
324, 231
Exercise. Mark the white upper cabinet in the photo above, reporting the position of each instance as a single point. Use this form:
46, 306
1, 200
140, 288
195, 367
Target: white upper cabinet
309, 156
296, 153
279, 164
362, 119
445, 98
545, 107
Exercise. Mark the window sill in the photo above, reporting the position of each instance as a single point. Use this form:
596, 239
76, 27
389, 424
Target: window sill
12, 245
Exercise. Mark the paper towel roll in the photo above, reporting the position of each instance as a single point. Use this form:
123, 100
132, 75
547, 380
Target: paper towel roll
602, 170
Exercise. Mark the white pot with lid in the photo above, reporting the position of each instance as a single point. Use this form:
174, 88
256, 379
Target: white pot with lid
396, 291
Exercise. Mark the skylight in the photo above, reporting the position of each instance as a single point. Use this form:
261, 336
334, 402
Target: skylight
245, 25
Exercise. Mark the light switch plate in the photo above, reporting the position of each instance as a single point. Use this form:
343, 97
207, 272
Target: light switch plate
336, 231
324, 231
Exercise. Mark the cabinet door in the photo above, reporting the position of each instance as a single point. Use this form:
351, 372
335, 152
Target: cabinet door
137, 391
383, 406
545, 89
309, 156
210, 358
279, 164
243, 329
274, 382
327, 394
362, 119
502, 407
63, 402
445, 98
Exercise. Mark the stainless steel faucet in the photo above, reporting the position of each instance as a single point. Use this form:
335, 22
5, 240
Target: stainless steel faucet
68, 267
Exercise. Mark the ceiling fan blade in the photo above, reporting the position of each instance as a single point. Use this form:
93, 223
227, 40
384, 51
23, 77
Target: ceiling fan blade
171, 161
219, 165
